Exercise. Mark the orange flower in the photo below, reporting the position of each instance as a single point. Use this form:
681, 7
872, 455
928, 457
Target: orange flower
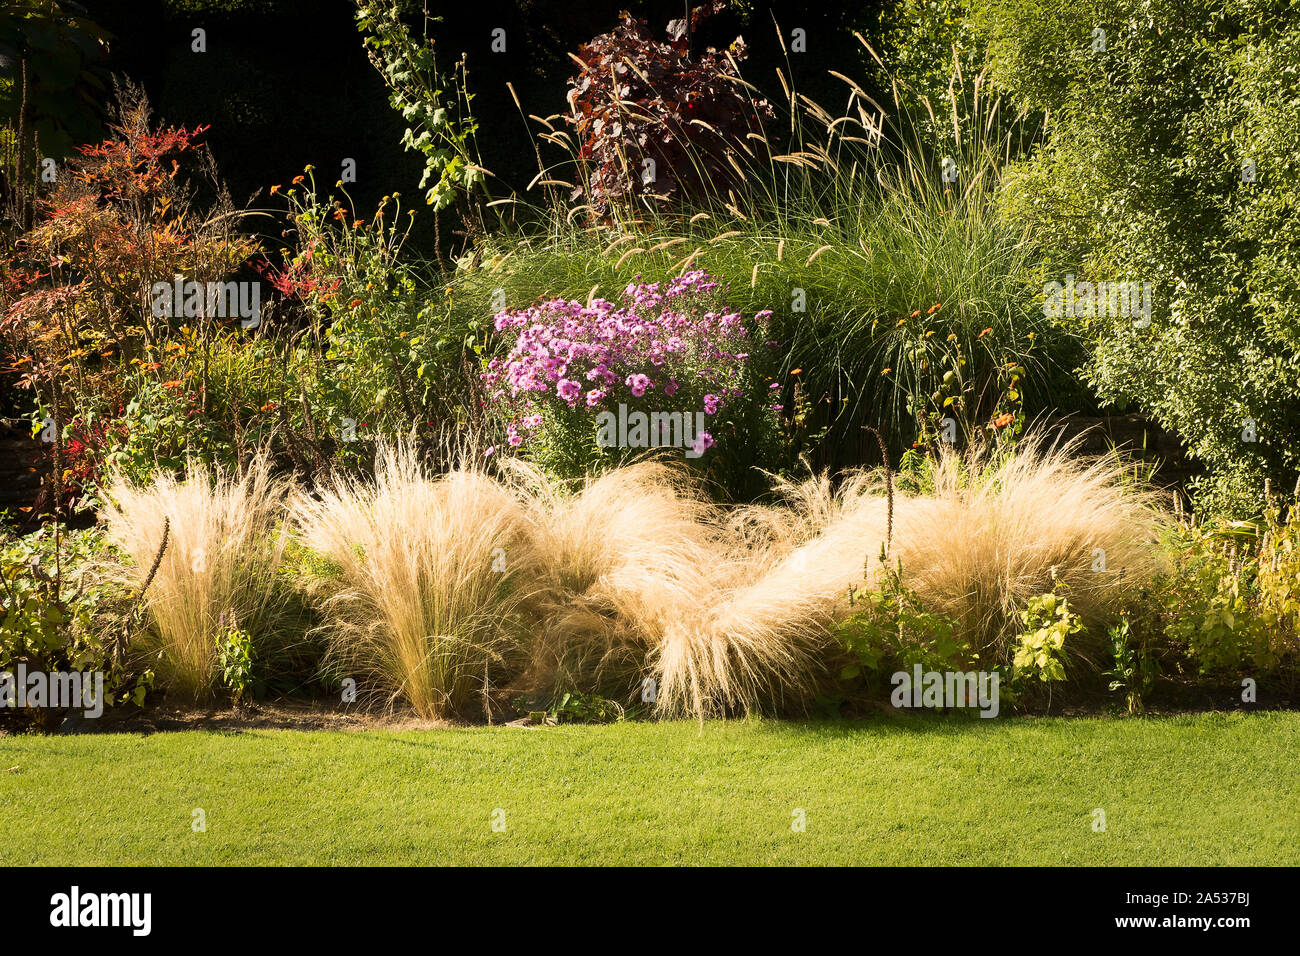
934, 308
354, 303
297, 180
275, 189
916, 313
984, 333
1003, 420
796, 371
174, 383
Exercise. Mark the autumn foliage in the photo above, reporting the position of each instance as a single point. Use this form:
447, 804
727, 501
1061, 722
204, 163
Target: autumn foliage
638, 99
76, 304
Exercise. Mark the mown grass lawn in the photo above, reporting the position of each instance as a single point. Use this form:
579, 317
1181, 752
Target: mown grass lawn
1203, 789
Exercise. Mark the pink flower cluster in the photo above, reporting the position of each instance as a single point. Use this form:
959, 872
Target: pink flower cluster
664, 339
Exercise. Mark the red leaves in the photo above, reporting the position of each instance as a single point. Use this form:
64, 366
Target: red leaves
638, 99
135, 147
76, 297
15, 278
296, 280
677, 28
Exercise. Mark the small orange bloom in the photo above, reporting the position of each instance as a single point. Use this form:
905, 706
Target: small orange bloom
1003, 420
984, 333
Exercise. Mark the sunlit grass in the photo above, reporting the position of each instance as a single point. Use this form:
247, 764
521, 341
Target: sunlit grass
1210, 789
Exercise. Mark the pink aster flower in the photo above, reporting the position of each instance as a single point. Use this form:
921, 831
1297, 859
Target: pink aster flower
568, 389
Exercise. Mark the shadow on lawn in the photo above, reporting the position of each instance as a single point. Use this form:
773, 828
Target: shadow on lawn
307, 715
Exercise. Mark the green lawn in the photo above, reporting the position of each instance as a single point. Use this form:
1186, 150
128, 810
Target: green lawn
1205, 789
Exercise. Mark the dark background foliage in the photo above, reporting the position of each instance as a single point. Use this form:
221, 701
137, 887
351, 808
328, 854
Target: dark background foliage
285, 83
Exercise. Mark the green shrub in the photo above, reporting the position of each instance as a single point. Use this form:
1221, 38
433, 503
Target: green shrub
389, 352
935, 57
60, 612
1135, 667
1040, 648
578, 708
889, 627
1194, 191
1229, 597
1231, 593
235, 659
56, 92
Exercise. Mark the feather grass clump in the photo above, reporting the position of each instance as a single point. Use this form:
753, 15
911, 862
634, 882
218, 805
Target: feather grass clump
436, 575
226, 544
